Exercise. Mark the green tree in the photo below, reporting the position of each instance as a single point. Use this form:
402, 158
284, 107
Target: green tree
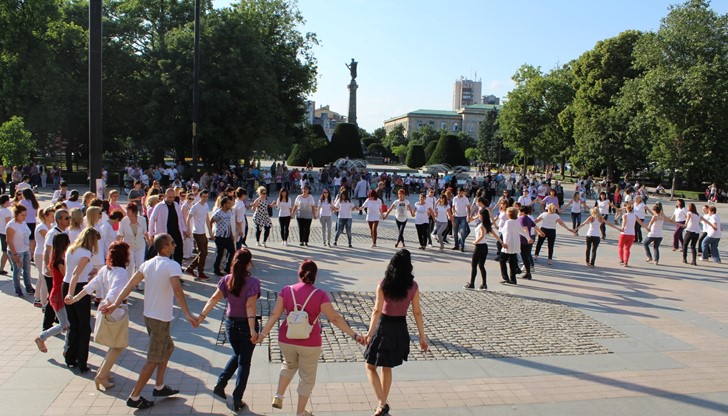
379, 133
376, 149
683, 90
16, 143
448, 151
415, 156
430, 149
489, 144
472, 154
425, 135
602, 137
395, 137
400, 152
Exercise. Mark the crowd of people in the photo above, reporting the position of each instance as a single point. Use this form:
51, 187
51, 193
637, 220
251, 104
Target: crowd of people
91, 250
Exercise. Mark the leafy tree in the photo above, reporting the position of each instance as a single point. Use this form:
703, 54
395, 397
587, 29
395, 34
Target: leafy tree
489, 144
16, 143
376, 149
416, 156
379, 133
683, 90
400, 152
345, 142
425, 135
430, 149
472, 154
395, 137
448, 151
314, 146
556, 138
601, 135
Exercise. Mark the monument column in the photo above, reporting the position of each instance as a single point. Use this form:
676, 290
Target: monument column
352, 102
352, 92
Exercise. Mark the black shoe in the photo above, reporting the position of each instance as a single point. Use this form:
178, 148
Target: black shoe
83, 368
165, 392
469, 286
350, 246
238, 406
219, 391
301, 243
30, 291
455, 248
483, 287
527, 276
142, 403
519, 271
3, 272
219, 273
462, 249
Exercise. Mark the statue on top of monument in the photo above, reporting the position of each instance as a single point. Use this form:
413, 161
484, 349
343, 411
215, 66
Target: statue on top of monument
352, 68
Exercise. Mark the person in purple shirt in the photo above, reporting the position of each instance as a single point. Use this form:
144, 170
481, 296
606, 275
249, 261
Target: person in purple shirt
241, 290
550, 199
388, 338
527, 222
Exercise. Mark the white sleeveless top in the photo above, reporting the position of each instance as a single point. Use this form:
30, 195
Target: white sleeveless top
629, 221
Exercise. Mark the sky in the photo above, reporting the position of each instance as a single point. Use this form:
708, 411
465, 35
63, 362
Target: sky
410, 52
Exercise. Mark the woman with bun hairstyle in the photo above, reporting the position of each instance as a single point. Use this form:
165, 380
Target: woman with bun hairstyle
301, 355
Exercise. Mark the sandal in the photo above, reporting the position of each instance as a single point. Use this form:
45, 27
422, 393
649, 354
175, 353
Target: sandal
381, 410
41, 345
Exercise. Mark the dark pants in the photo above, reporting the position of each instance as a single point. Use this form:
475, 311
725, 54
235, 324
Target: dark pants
550, 237
700, 242
284, 223
423, 233
691, 239
591, 249
304, 229
655, 241
178, 255
677, 237
266, 233
526, 256
199, 261
461, 226
361, 202
637, 232
575, 219
79, 332
478, 263
223, 244
238, 332
400, 227
509, 260
603, 226
430, 229
49, 315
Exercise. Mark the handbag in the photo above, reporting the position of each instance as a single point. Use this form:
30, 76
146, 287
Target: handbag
110, 332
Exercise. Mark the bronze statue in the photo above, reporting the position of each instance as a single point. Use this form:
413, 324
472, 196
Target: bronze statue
352, 68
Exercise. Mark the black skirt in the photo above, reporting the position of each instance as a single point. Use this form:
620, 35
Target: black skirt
390, 345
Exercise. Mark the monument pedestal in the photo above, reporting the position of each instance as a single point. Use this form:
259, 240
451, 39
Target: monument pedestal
352, 102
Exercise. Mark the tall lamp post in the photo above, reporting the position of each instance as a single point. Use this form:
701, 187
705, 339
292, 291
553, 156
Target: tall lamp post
94, 93
196, 88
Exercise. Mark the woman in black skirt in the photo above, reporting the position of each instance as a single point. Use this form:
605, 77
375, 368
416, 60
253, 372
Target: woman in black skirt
388, 338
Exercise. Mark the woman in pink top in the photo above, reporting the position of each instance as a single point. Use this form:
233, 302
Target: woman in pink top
388, 338
302, 354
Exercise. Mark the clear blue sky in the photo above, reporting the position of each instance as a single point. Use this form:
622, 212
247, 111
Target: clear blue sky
411, 52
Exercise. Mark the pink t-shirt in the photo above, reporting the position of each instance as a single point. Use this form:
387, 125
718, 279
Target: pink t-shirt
313, 308
399, 307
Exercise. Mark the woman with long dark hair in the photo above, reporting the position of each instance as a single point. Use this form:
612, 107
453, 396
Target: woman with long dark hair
30, 203
283, 204
343, 207
373, 207
57, 265
595, 222
679, 216
480, 253
325, 212
108, 284
241, 290
692, 233
403, 208
388, 337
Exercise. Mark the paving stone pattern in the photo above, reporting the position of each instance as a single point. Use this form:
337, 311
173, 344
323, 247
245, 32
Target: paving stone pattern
468, 325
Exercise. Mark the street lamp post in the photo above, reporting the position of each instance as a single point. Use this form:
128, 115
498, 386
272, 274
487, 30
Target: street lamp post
94, 93
196, 88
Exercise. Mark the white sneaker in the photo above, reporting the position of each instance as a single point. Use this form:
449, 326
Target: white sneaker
265, 245
257, 243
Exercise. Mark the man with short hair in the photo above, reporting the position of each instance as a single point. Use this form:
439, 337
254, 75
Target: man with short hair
223, 219
166, 218
198, 218
240, 226
162, 286
361, 190
460, 209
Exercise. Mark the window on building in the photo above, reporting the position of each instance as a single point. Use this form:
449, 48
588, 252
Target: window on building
454, 126
442, 125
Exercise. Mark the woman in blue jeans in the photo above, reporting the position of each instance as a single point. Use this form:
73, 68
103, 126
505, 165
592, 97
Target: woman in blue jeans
18, 238
343, 206
241, 290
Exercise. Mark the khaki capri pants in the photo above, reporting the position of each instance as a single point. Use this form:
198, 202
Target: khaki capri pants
305, 361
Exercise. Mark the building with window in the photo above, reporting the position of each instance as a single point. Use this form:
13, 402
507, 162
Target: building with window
326, 118
465, 119
466, 92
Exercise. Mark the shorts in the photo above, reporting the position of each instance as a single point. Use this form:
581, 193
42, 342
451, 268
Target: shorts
160, 340
4, 243
31, 225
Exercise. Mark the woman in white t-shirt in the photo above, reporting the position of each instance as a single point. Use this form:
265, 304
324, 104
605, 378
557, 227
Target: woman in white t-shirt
283, 204
549, 218
710, 244
325, 212
692, 232
422, 221
654, 236
133, 231
679, 216
604, 205
79, 269
595, 223
305, 207
576, 204
640, 209
18, 235
442, 215
400, 217
373, 207
5, 217
626, 236
343, 206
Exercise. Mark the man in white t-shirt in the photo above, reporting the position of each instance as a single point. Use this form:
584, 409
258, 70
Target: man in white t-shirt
240, 225
197, 220
460, 209
162, 285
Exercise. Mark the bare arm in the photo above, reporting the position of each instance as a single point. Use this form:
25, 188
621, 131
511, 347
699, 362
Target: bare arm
179, 294
335, 318
417, 312
272, 319
376, 313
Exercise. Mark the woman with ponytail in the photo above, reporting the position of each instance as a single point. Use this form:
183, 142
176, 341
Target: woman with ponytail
241, 290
